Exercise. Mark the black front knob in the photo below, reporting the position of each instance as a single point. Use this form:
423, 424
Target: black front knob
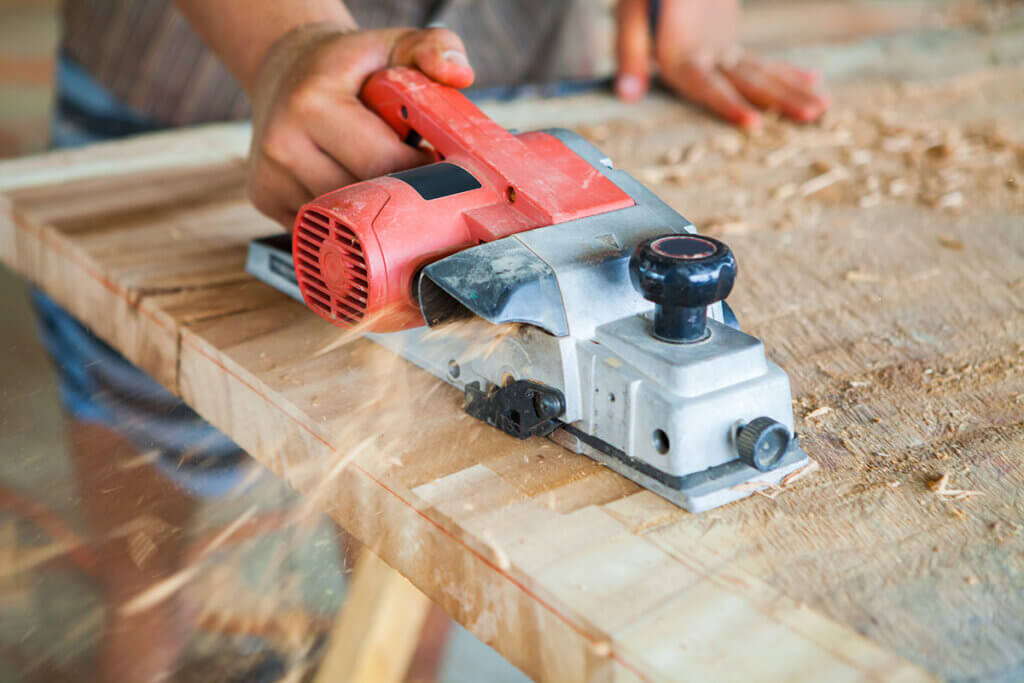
682, 275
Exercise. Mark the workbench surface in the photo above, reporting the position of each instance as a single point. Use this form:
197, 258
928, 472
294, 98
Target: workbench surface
882, 263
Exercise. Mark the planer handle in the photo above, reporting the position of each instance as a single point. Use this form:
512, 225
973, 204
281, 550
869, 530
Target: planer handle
417, 107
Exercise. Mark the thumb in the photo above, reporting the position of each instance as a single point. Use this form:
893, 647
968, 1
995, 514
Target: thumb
633, 46
437, 52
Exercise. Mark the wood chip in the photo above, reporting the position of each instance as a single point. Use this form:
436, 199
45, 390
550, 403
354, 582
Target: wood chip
897, 144
859, 157
858, 275
784, 191
796, 475
951, 243
819, 412
673, 155
780, 156
951, 200
820, 182
940, 487
898, 187
870, 200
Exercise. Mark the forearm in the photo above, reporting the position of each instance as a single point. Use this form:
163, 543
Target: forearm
241, 32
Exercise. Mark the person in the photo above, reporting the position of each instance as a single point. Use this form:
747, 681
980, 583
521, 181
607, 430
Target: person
131, 66
301, 65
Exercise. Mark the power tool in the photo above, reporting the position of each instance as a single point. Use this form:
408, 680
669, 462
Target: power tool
580, 306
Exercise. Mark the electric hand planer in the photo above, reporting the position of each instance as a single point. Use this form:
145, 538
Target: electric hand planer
601, 311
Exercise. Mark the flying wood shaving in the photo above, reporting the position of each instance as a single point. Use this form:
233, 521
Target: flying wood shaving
159, 591
144, 459
940, 487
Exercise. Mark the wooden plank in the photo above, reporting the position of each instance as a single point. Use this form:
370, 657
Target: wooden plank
378, 628
899, 322
82, 245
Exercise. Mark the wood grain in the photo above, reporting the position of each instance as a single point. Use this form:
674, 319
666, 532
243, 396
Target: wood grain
899, 322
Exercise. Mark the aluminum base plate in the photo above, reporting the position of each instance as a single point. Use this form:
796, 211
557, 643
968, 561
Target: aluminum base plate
701, 491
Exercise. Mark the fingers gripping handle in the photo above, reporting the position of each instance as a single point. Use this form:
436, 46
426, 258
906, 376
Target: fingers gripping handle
415, 106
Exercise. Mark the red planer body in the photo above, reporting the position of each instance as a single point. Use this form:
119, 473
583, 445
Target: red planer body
358, 250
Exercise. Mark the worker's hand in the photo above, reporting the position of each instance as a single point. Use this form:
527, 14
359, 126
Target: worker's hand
695, 50
311, 133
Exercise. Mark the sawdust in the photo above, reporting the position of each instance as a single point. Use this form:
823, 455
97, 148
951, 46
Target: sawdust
869, 156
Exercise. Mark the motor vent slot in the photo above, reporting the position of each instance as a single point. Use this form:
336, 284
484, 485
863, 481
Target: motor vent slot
331, 267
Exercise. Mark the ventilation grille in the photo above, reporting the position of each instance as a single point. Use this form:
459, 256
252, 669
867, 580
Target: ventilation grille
349, 303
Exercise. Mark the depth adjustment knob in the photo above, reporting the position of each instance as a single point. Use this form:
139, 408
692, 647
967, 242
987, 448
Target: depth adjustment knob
762, 442
682, 274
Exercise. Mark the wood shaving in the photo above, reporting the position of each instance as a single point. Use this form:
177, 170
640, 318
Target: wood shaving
859, 157
940, 487
952, 200
820, 182
898, 187
951, 243
796, 475
784, 191
870, 200
777, 157
858, 275
818, 412
160, 591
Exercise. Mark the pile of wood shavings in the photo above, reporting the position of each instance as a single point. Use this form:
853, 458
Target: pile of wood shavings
887, 155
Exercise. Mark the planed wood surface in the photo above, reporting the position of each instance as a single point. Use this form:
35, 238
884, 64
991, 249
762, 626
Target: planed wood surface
882, 262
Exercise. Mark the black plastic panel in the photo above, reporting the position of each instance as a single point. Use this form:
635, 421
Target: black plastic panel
438, 180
